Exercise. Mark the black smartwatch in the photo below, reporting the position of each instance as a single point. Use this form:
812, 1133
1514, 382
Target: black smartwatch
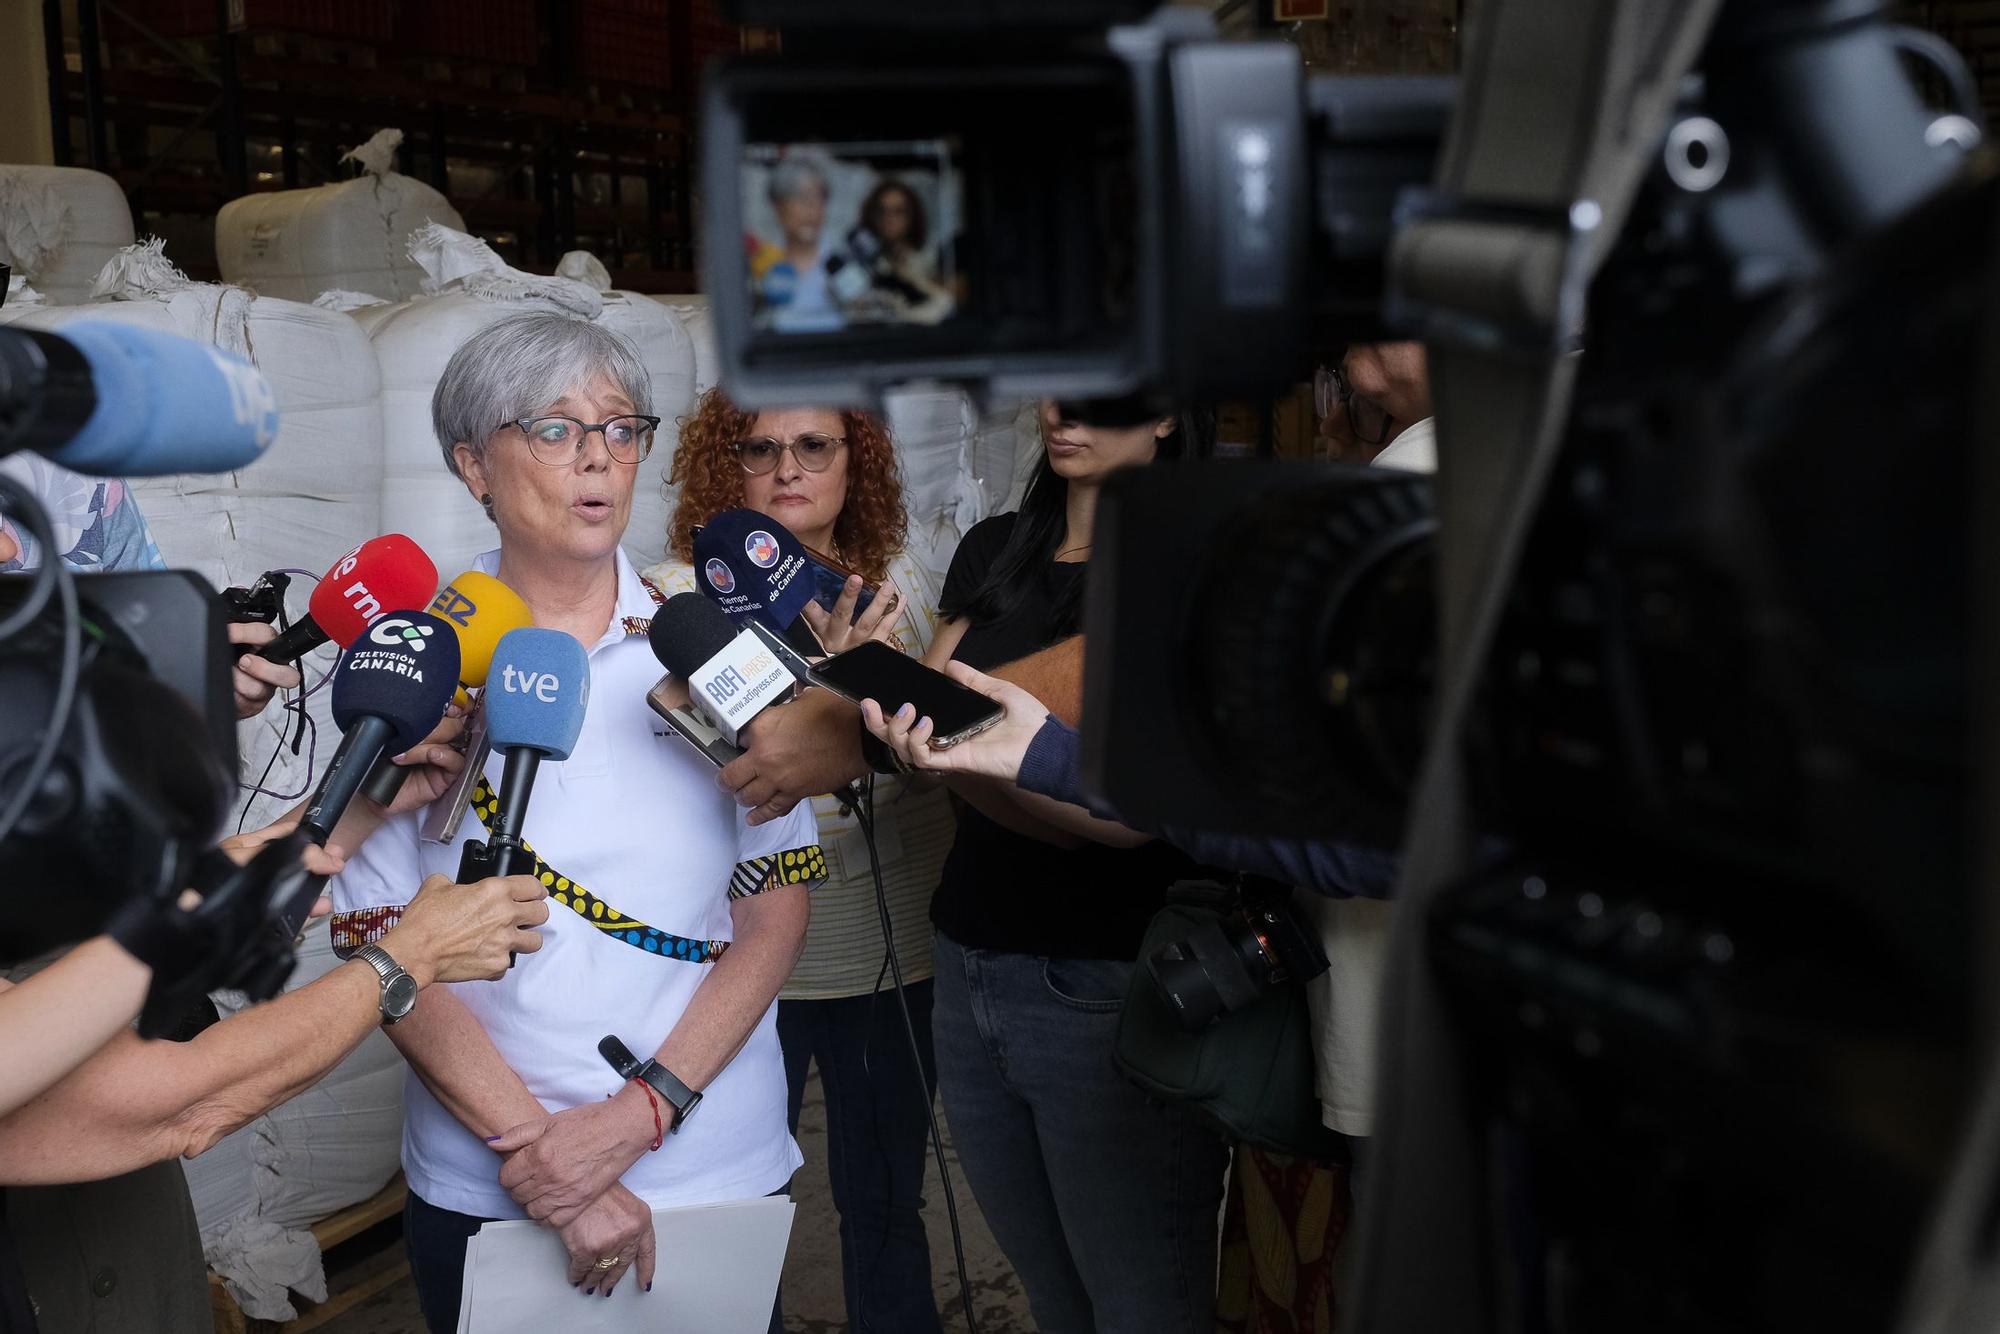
658, 1078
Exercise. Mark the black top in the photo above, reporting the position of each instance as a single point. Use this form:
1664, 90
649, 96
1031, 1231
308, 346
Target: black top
1002, 890
17, 1315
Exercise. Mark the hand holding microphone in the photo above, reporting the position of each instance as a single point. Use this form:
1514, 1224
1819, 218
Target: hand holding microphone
384, 574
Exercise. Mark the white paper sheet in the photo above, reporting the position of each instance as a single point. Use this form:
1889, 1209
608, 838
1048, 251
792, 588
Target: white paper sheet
717, 1273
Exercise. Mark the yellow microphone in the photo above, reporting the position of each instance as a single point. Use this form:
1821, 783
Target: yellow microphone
481, 609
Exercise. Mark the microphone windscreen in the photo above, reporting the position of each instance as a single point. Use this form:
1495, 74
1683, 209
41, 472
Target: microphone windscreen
749, 564
687, 631
165, 404
383, 574
403, 671
537, 691
481, 609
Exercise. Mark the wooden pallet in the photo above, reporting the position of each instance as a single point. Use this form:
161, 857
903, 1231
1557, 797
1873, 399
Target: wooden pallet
352, 1285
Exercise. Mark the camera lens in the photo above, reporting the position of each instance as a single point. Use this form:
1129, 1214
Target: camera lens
1317, 636
1184, 983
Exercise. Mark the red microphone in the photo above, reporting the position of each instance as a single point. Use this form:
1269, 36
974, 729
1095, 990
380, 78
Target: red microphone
383, 574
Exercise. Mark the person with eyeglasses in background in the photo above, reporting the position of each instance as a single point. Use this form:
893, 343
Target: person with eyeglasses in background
1375, 407
673, 920
831, 478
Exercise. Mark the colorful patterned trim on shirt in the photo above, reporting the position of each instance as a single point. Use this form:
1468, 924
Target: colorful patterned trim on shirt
639, 625
364, 926
568, 894
798, 866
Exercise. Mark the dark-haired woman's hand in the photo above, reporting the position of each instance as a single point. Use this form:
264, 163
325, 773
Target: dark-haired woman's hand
840, 630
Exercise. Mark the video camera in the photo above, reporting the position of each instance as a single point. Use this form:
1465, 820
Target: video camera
1107, 206
1664, 690
118, 741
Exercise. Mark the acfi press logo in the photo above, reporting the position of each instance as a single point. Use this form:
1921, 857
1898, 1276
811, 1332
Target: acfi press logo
395, 632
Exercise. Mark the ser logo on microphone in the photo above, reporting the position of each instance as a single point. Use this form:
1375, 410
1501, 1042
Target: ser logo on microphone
455, 607
544, 686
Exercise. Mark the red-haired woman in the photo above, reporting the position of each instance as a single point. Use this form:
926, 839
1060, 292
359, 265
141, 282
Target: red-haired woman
831, 478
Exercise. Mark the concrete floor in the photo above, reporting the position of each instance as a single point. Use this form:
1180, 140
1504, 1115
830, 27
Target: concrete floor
813, 1299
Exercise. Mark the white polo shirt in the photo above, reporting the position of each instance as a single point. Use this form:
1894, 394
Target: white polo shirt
642, 854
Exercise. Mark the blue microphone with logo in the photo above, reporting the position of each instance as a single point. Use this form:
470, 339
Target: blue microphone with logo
388, 693
537, 689
115, 400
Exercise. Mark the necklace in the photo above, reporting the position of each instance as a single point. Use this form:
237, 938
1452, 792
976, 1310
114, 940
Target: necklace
1081, 546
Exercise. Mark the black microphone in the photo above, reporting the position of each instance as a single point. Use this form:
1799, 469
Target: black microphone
388, 693
732, 675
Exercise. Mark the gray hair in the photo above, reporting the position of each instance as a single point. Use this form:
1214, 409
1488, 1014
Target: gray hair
513, 368
796, 172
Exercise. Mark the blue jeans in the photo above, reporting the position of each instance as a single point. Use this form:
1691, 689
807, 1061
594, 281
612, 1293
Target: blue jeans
877, 1134
436, 1240
1104, 1201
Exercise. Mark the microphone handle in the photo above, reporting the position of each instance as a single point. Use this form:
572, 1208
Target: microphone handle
367, 739
517, 780
294, 642
385, 780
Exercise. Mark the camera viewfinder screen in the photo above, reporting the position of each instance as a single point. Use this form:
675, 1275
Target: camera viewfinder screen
849, 235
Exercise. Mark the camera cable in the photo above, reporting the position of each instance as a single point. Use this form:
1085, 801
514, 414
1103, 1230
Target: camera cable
17, 501
859, 797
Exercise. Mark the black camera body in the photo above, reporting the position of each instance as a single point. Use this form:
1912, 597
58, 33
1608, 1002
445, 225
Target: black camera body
146, 769
1234, 959
1114, 206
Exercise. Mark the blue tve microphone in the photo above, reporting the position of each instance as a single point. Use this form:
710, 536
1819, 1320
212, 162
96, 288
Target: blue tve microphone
388, 693
537, 689
115, 400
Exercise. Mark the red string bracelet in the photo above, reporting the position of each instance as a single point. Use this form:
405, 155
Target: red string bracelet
659, 1130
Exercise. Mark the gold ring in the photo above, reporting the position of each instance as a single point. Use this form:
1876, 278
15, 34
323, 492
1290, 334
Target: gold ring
608, 1262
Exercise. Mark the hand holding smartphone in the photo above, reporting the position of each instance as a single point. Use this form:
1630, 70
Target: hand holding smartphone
875, 671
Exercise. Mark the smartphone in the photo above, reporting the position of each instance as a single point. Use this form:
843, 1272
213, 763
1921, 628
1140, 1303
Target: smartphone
830, 581
669, 699
875, 671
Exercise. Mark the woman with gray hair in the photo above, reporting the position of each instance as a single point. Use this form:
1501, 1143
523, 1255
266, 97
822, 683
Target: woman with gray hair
793, 291
682, 921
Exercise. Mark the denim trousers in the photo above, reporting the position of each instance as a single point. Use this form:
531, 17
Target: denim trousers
436, 1240
1104, 1201
878, 1099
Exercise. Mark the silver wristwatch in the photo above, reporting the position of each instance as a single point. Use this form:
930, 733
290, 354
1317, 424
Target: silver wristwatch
399, 989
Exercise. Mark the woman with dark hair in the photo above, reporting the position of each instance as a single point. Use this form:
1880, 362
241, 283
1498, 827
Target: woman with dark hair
1104, 1202
830, 476
890, 240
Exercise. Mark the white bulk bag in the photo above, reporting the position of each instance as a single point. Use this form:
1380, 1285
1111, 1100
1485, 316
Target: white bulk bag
258, 1192
691, 308
58, 225
310, 497
470, 289
355, 235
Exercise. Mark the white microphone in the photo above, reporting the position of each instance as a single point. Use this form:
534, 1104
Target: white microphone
732, 676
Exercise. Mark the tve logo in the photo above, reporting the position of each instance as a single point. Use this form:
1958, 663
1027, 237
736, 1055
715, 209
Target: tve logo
251, 399
455, 606
395, 632
544, 686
